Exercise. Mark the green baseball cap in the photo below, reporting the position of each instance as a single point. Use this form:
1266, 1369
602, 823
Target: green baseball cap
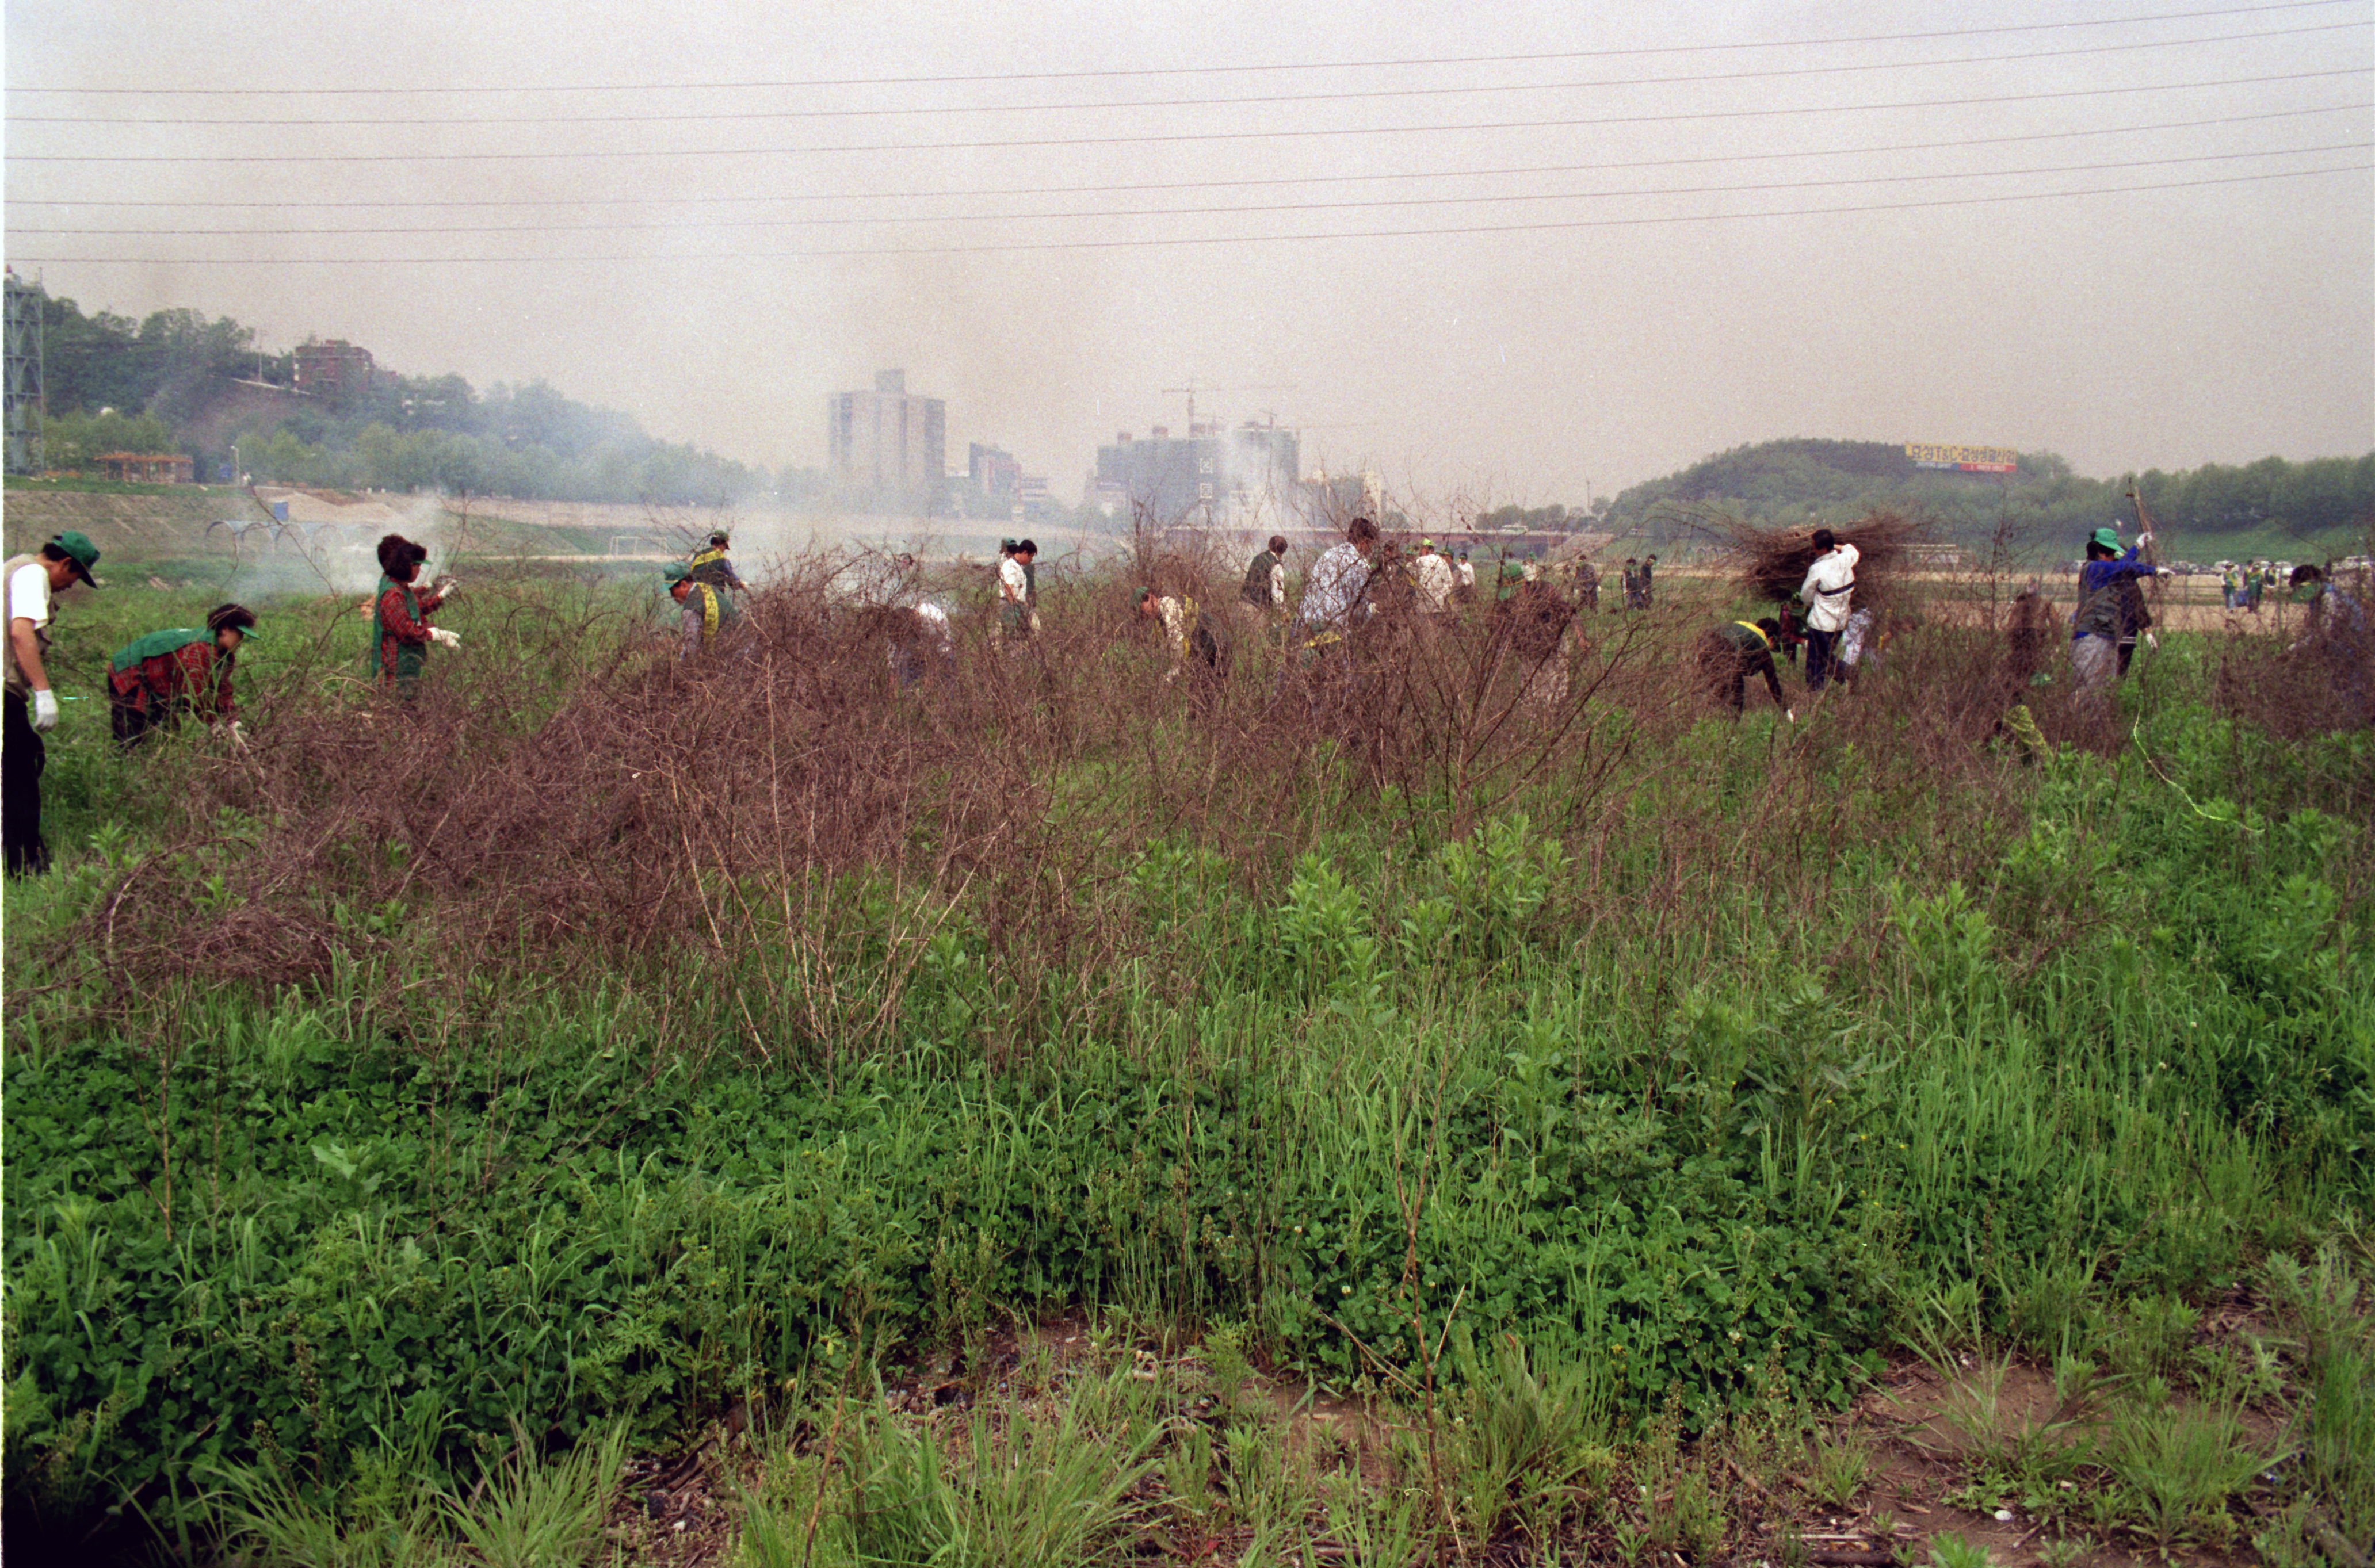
81, 551
2107, 537
676, 571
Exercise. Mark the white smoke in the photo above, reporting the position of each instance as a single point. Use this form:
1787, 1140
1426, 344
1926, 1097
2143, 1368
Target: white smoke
328, 548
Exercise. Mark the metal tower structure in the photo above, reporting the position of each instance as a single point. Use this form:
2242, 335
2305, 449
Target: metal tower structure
24, 376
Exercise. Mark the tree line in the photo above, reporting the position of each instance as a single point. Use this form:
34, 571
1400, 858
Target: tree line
2329, 500
115, 385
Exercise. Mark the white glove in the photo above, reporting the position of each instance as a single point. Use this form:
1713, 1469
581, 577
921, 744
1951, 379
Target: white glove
443, 638
239, 735
448, 588
2151, 640
2164, 572
2144, 540
45, 710
1789, 714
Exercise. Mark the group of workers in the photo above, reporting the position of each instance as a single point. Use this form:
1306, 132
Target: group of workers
2241, 585
157, 680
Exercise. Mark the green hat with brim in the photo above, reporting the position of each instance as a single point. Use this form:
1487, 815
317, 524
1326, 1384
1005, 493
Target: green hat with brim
81, 551
2107, 537
676, 571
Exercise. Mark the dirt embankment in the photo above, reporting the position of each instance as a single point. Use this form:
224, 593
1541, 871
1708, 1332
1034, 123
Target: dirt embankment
134, 526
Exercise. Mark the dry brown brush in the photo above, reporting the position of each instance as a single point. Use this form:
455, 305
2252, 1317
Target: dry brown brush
765, 841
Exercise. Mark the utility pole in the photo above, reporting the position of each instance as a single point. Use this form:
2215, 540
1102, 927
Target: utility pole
27, 406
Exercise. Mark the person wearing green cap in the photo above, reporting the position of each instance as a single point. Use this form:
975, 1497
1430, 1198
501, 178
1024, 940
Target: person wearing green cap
2094, 625
33, 583
707, 614
186, 669
709, 565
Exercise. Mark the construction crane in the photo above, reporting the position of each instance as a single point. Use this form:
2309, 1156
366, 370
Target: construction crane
1190, 390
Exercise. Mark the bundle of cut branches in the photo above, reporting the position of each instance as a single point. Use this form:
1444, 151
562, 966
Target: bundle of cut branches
1772, 562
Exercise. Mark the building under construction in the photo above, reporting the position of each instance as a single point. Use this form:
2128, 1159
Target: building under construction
1213, 477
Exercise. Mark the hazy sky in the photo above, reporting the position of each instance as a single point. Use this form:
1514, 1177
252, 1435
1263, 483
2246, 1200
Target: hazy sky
1498, 308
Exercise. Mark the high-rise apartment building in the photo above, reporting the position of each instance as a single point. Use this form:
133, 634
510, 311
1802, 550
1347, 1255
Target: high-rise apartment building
887, 448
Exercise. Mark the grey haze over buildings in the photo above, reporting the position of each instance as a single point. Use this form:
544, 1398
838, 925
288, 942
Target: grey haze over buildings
1539, 271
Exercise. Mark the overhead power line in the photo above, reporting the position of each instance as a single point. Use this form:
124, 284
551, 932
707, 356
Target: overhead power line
709, 258
1464, 90
974, 144
675, 198
1390, 64
1210, 211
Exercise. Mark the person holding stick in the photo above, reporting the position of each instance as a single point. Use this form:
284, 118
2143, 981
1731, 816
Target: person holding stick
2096, 625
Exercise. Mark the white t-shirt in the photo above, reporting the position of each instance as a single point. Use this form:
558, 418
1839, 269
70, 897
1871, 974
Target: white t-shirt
1434, 574
29, 593
1011, 583
28, 598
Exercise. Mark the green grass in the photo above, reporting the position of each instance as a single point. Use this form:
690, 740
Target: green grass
2088, 1037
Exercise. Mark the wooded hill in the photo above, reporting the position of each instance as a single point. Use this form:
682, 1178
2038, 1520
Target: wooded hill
176, 382
2326, 503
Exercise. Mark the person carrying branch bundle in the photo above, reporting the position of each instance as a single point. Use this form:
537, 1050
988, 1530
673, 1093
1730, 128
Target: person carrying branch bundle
1828, 591
152, 682
32, 582
1732, 653
1536, 619
2096, 625
705, 617
400, 629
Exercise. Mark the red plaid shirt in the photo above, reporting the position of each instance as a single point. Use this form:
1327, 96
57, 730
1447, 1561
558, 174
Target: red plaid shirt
397, 627
193, 671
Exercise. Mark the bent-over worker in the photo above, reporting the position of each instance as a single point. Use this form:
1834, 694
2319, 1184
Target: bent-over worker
185, 669
708, 615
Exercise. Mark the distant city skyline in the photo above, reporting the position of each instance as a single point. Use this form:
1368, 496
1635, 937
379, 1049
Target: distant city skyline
1525, 255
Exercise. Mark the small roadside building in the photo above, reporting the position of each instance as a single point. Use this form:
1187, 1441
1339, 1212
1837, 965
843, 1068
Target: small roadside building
149, 467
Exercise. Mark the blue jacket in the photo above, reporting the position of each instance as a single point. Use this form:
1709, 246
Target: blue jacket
2098, 596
